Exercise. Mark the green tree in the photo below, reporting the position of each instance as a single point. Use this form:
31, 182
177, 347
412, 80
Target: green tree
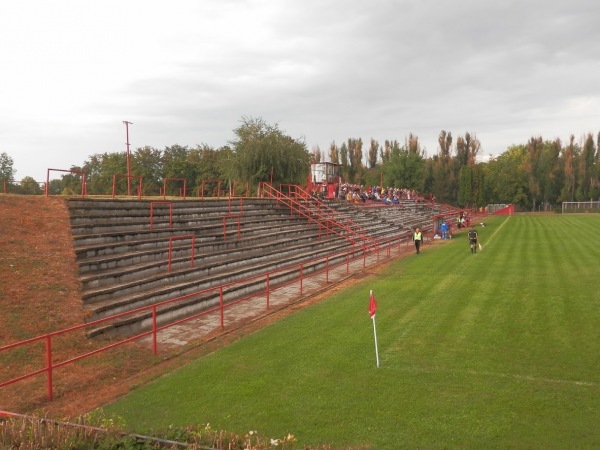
532, 168
465, 192
445, 143
586, 170
550, 172
406, 167
175, 164
146, 162
100, 170
7, 172
344, 160
30, 186
316, 154
334, 153
372, 157
569, 158
507, 177
56, 187
354, 158
261, 150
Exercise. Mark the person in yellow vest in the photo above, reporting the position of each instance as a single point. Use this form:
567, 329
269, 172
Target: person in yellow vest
418, 239
472, 235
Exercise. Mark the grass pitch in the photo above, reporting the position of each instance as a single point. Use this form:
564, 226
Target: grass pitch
500, 349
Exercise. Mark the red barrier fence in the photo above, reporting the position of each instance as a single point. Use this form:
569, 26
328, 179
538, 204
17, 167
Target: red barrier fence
321, 215
83, 176
204, 183
39, 187
322, 265
180, 191
129, 177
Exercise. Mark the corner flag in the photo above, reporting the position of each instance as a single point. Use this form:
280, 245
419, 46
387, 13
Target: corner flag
372, 305
372, 309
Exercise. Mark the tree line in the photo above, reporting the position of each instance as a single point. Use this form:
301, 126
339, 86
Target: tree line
534, 175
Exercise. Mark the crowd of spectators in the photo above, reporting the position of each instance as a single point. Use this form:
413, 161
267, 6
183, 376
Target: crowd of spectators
391, 196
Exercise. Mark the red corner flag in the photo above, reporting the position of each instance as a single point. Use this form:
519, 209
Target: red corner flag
372, 309
372, 305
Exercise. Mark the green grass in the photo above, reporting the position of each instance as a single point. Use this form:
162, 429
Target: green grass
495, 350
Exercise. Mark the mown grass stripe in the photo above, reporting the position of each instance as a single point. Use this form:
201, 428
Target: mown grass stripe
493, 350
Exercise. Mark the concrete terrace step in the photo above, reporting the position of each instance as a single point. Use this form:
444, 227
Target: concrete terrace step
211, 231
195, 303
160, 288
131, 224
203, 262
135, 252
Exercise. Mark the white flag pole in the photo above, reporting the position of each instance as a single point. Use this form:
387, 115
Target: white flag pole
375, 335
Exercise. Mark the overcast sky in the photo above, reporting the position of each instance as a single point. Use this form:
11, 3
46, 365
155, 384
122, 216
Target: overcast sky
186, 71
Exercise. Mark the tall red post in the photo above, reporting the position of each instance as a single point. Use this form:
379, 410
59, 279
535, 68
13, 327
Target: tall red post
128, 164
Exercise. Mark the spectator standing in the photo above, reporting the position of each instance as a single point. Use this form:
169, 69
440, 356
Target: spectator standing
418, 239
473, 239
444, 229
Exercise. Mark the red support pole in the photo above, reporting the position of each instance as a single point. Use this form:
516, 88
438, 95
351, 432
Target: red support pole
268, 292
221, 307
154, 341
49, 365
128, 164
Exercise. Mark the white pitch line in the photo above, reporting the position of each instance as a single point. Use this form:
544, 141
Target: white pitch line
499, 375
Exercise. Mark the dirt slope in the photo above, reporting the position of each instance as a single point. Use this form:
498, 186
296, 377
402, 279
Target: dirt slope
39, 294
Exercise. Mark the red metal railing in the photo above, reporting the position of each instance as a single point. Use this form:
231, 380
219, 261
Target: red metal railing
152, 204
323, 217
324, 210
183, 236
83, 176
234, 192
322, 265
114, 184
180, 191
204, 182
35, 187
231, 215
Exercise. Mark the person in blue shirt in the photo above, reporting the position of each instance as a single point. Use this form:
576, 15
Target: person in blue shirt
444, 229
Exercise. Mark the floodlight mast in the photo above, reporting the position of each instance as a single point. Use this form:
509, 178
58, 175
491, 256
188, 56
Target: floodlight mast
128, 164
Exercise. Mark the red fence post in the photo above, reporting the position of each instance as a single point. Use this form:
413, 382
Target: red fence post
183, 236
154, 340
170, 212
221, 307
49, 365
268, 292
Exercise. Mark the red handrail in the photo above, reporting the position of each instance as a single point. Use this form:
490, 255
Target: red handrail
183, 236
343, 256
201, 190
330, 223
170, 212
174, 179
80, 172
235, 183
114, 185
